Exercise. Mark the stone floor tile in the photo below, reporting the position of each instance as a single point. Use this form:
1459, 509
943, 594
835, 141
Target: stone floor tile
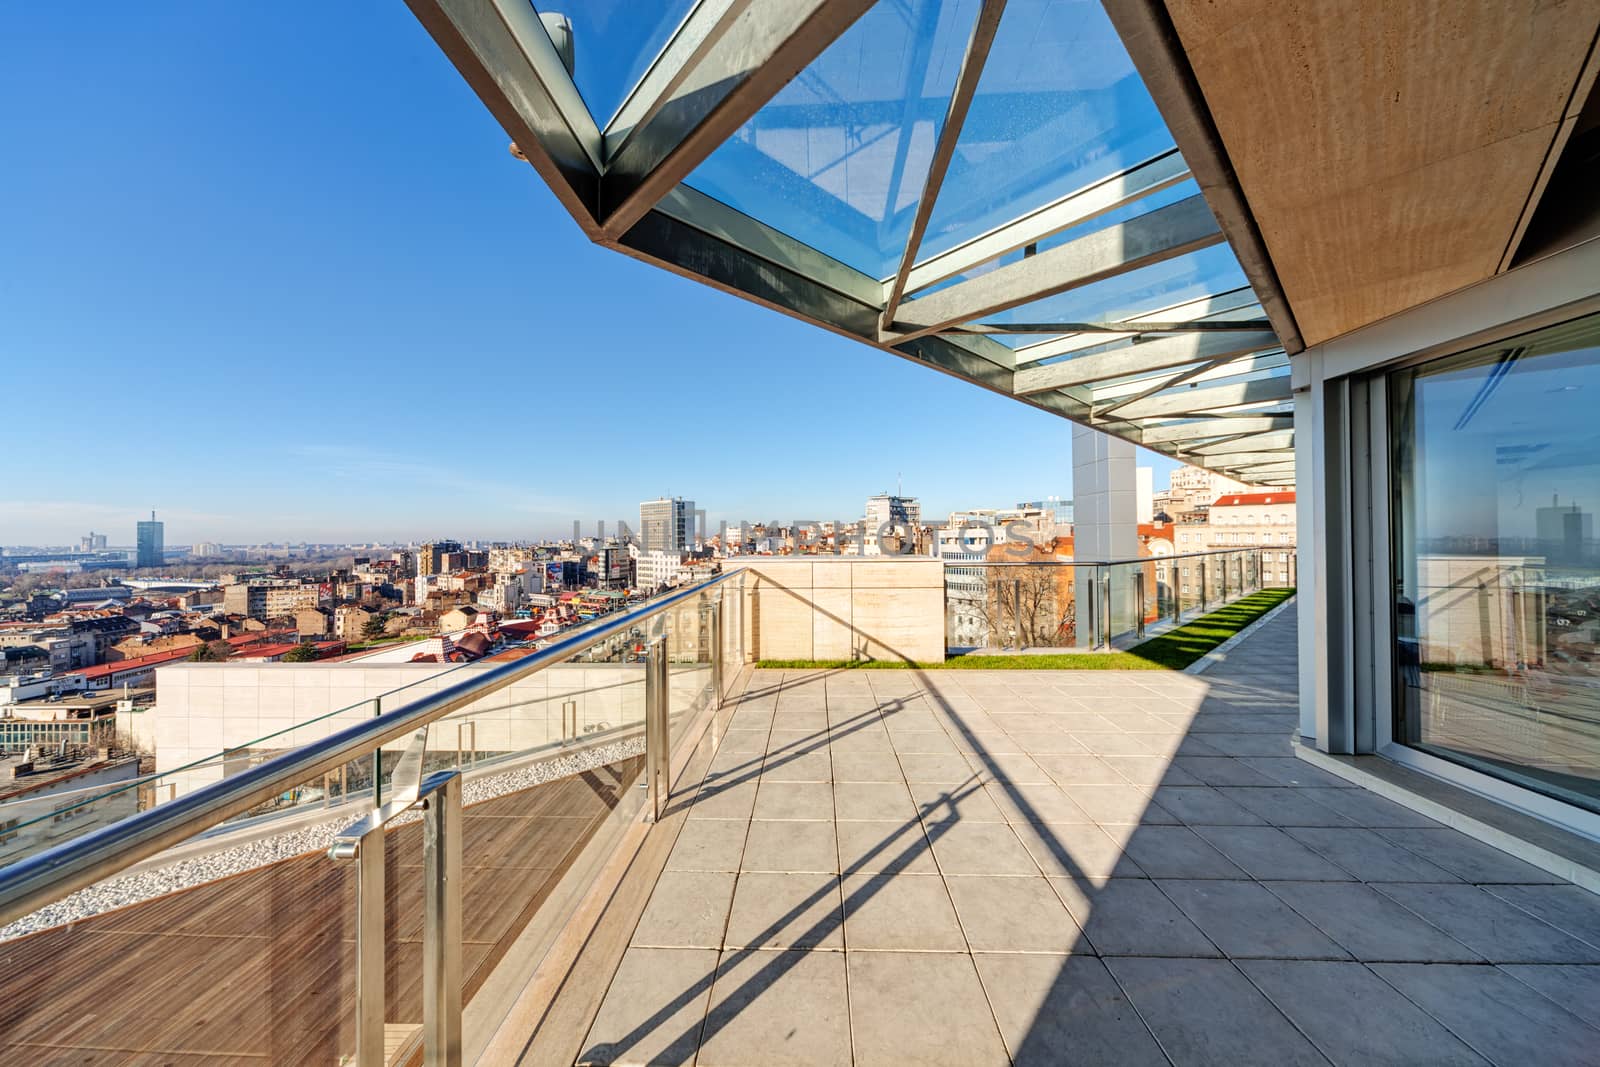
924, 1008
1202, 805
1111, 744
906, 912
1131, 917
1221, 770
797, 767
898, 845
1076, 850
1353, 1016
1244, 919
791, 846
1036, 802
1499, 930
687, 909
1567, 907
708, 845
1368, 856
866, 767
1369, 925
1150, 770
978, 848
1014, 915
1118, 804
1080, 768
812, 723
785, 911
724, 801
1248, 744
1501, 1018
947, 769
931, 742
746, 742
1573, 986
1467, 858
653, 1010
857, 801
969, 802
778, 1009
1016, 767
1268, 852
1291, 770
1206, 1012
1177, 852
1043, 742
1054, 1010
1365, 808
794, 800
1286, 806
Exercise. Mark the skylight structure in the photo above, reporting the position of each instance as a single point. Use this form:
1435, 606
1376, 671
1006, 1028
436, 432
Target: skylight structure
981, 186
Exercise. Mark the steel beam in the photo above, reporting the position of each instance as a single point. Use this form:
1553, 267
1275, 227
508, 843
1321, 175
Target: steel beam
1147, 33
1201, 429
704, 24
508, 60
1208, 398
754, 51
1151, 238
1243, 459
1176, 351
1215, 372
1121, 329
983, 31
1205, 309
1246, 443
1071, 210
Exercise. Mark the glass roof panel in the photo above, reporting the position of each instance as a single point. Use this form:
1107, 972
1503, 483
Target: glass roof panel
1059, 106
1202, 273
1158, 199
613, 44
838, 158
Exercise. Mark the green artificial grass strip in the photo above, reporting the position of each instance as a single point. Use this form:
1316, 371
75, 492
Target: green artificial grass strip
1172, 651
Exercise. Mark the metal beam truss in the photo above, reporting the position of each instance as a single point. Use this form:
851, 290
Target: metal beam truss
1205, 381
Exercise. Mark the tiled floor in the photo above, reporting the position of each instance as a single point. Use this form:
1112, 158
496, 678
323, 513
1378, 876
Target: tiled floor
967, 868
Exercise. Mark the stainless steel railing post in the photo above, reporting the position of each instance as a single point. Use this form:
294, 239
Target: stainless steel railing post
716, 671
441, 925
1138, 602
1105, 607
1202, 566
656, 731
368, 854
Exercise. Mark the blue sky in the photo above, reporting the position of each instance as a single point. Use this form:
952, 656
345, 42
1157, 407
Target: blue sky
269, 269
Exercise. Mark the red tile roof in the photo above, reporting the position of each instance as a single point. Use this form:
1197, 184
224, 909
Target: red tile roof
1254, 499
123, 666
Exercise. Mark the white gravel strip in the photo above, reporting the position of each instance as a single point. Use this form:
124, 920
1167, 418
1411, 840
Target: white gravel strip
128, 889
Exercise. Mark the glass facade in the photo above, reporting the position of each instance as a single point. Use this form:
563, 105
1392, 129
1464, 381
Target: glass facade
1496, 481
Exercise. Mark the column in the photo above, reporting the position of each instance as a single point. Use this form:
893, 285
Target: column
1104, 514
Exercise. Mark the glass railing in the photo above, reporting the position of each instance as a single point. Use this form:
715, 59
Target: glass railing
292, 898
999, 605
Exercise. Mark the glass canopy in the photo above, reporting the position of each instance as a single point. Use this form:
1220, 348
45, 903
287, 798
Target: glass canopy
986, 187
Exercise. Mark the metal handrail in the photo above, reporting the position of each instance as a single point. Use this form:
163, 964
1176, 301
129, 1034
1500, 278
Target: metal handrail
1110, 562
45, 877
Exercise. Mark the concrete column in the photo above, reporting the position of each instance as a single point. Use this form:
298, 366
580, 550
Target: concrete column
1104, 518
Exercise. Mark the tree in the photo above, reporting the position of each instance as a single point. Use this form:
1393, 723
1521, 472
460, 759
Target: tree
1030, 607
210, 652
374, 628
302, 653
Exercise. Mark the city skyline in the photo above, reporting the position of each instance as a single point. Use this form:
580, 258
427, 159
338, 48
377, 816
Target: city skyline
336, 257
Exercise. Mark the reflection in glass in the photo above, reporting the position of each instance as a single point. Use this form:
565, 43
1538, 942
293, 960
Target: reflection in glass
839, 156
1497, 609
613, 44
1059, 106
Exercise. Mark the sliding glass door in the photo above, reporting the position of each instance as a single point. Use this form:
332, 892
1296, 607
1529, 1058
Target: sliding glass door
1496, 479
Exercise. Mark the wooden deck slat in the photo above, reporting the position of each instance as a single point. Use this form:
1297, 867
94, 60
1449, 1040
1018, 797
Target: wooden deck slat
260, 966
